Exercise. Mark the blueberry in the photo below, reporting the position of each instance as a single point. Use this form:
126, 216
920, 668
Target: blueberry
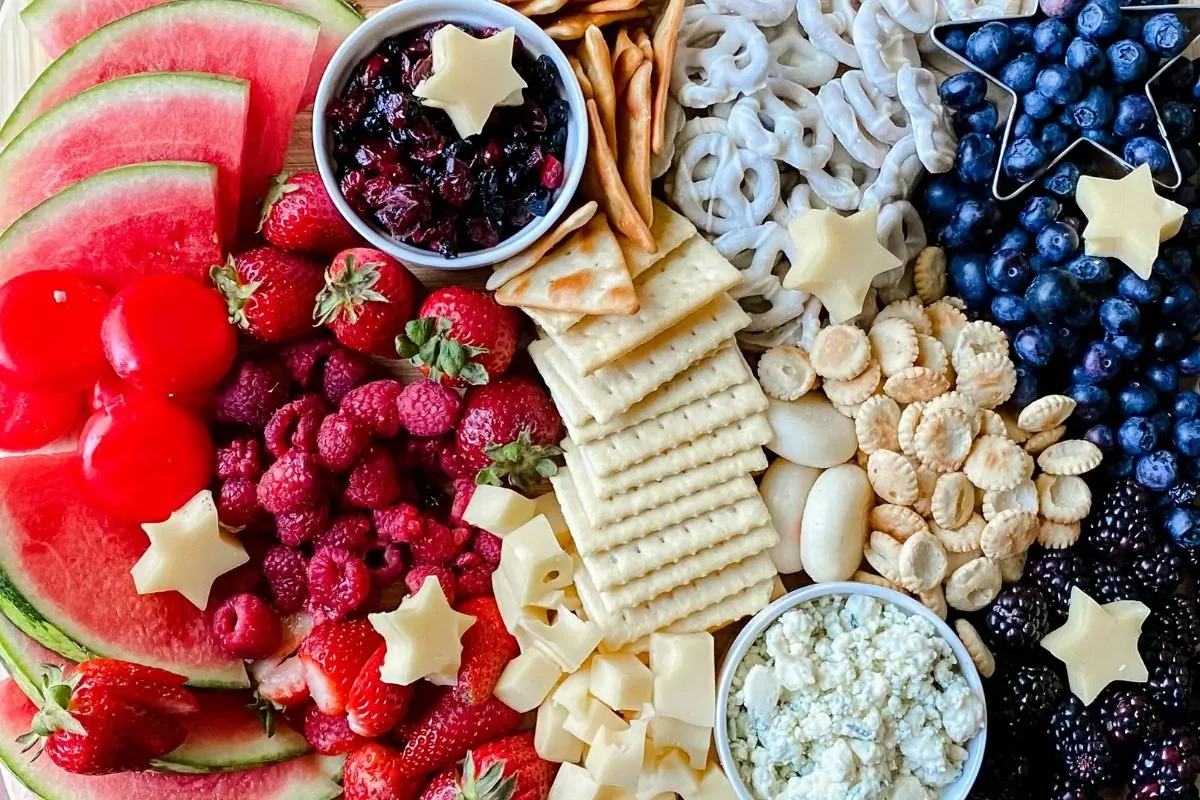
1098, 20
1161, 420
1090, 401
1164, 35
1102, 436
1023, 159
1101, 362
1145, 150
1139, 290
1037, 105
1178, 119
1083, 312
1067, 340
1156, 471
963, 90
1186, 405
1027, 389
1092, 270
956, 40
1100, 136
1009, 309
1134, 114
1130, 347
1190, 363
976, 158
983, 118
1059, 84
1062, 179
968, 273
1050, 39
1187, 437
1189, 165
1054, 139
1137, 398
1051, 294
1169, 344
1022, 34
1020, 74
1057, 242
1179, 301
1025, 127
1066, 120
1173, 263
1179, 77
1038, 212
974, 221
1009, 271
1164, 377
1015, 239
941, 196
1183, 525
1094, 110
988, 47
1086, 58
1034, 345
1137, 436
1119, 316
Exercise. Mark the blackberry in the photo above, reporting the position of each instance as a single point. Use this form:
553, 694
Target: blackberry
1006, 773
1019, 617
1027, 696
1160, 571
1128, 716
1055, 572
1122, 527
1170, 682
1169, 789
1167, 760
1177, 621
1065, 788
1109, 584
1082, 745
1182, 493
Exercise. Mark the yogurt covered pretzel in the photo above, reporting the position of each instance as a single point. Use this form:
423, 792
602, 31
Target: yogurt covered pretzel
840, 184
759, 253
830, 30
846, 126
883, 45
882, 116
916, 15
660, 163
783, 121
800, 332
900, 172
719, 186
935, 140
981, 9
795, 58
763, 13
901, 231
798, 198
718, 57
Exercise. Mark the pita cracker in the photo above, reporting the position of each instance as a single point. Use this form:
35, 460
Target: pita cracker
627, 57
605, 186
642, 40
572, 26
596, 59
666, 41
636, 124
582, 77
585, 274
510, 268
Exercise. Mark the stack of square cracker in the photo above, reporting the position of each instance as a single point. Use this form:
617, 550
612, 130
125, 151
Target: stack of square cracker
665, 423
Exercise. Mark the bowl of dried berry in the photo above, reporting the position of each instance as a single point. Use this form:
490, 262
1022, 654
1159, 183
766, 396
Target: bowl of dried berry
450, 133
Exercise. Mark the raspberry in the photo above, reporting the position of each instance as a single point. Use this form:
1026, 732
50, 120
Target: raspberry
487, 545
295, 425
422, 454
437, 546
286, 571
237, 504
399, 523
350, 532
329, 735
387, 564
417, 575
344, 369
298, 527
246, 627
303, 359
293, 483
338, 583
241, 458
374, 405
373, 482
340, 442
474, 582
253, 392
453, 464
467, 560
428, 408
464, 490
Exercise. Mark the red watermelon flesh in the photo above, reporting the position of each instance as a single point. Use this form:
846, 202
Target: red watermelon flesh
122, 224
307, 778
58, 24
64, 579
79, 138
268, 46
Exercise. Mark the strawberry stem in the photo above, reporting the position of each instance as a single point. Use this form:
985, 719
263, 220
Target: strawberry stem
522, 463
278, 188
426, 343
491, 785
237, 294
345, 293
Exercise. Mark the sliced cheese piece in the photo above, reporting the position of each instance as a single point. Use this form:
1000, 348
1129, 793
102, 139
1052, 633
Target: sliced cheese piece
511, 609
573, 693
667, 772
547, 505
692, 740
498, 510
684, 677
533, 562
714, 785
527, 680
596, 717
573, 783
569, 640
615, 757
621, 681
551, 740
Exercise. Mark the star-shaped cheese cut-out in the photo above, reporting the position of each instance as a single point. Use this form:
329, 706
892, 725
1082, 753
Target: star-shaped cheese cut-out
1099, 644
1127, 219
837, 258
423, 637
188, 551
470, 77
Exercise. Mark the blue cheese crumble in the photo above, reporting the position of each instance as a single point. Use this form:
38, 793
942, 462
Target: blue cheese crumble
849, 698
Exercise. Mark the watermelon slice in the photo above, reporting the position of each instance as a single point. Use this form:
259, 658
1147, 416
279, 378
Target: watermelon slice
122, 224
58, 24
75, 140
64, 579
270, 47
226, 734
307, 778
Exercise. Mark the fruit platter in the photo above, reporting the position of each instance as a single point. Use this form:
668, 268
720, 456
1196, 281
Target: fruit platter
599, 400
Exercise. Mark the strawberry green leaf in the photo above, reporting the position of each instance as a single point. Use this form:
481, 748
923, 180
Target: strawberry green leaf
275, 192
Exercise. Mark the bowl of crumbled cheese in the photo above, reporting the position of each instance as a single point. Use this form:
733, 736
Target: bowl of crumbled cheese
846, 691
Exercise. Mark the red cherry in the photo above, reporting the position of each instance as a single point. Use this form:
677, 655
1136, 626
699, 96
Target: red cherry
29, 420
50, 331
167, 334
144, 457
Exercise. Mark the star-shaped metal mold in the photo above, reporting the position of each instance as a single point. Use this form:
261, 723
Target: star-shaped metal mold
1002, 185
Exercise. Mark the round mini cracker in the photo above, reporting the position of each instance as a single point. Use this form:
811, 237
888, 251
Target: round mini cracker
1039, 441
915, 384
1013, 567
893, 477
856, 390
882, 565
840, 352
1058, 535
1063, 498
893, 344
953, 500
929, 274
996, 463
988, 379
943, 439
1008, 533
922, 563
872, 579
945, 322
964, 539
991, 423
899, 522
906, 431
956, 399
976, 338
935, 600
877, 424
1070, 457
1045, 413
930, 353
926, 481
785, 373
850, 411
911, 309
973, 585
980, 655
1022, 497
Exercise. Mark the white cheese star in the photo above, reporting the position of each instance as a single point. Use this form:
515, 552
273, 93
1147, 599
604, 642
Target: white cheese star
188, 551
837, 258
1098, 644
471, 77
423, 637
1127, 219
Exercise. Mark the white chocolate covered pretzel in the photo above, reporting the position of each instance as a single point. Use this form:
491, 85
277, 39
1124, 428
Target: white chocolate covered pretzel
794, 200
763, 254
916, 15
795, 58
660, 163
719, 186
763, 13
783, 120
981, 9
846, 126
881, 116
901, 231
828, 27
800, 332
899, 174
883, 45
718, 57
840, 184
935, 140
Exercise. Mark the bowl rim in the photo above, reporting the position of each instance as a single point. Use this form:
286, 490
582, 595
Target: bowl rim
410, 14
758, 624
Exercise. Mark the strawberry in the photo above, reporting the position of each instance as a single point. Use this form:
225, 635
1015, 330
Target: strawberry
281, 683
299, 216
367, 299
448, 729
509, 431
329, 735
375, 707
154, 688
373, 772
461, 336
506, 769
333, 655
270, 293
487, 647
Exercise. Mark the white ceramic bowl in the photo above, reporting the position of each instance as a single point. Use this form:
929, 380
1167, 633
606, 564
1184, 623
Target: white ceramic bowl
406, 16
761, 621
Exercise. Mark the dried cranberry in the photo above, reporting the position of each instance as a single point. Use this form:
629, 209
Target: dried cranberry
375, 123
493, 153
376, 154
558, 112
352, 187
557, 143
538, 204
552, 173
406, 208
424, 36
427, 142
440, 235
544, 76
397, 108
535, 160
482, 232
347, 112
536, 117
370, 70
456, 186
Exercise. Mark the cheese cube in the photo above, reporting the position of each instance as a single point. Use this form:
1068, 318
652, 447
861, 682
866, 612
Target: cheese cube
533, 561
527, 680
615, 757
684, 677
596, 718
714, 785
547, 505
550, 739
572, 693
498, 510
666, 771
621, 681
573, 783
569, 639
512, 611
571, 598
691, 739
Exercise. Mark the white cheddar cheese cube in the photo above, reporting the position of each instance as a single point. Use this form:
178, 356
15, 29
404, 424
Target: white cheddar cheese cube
573, 783
512, 611
714, 785
498, 510
547, 505
596, 718
527, 679
533, 561
684, 677
621, 681
571, 598
573, 693
691, 739
666, 771
569, 640
615, 757
551, 741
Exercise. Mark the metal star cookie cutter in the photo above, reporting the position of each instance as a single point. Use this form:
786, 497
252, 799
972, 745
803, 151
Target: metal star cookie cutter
1189, 15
